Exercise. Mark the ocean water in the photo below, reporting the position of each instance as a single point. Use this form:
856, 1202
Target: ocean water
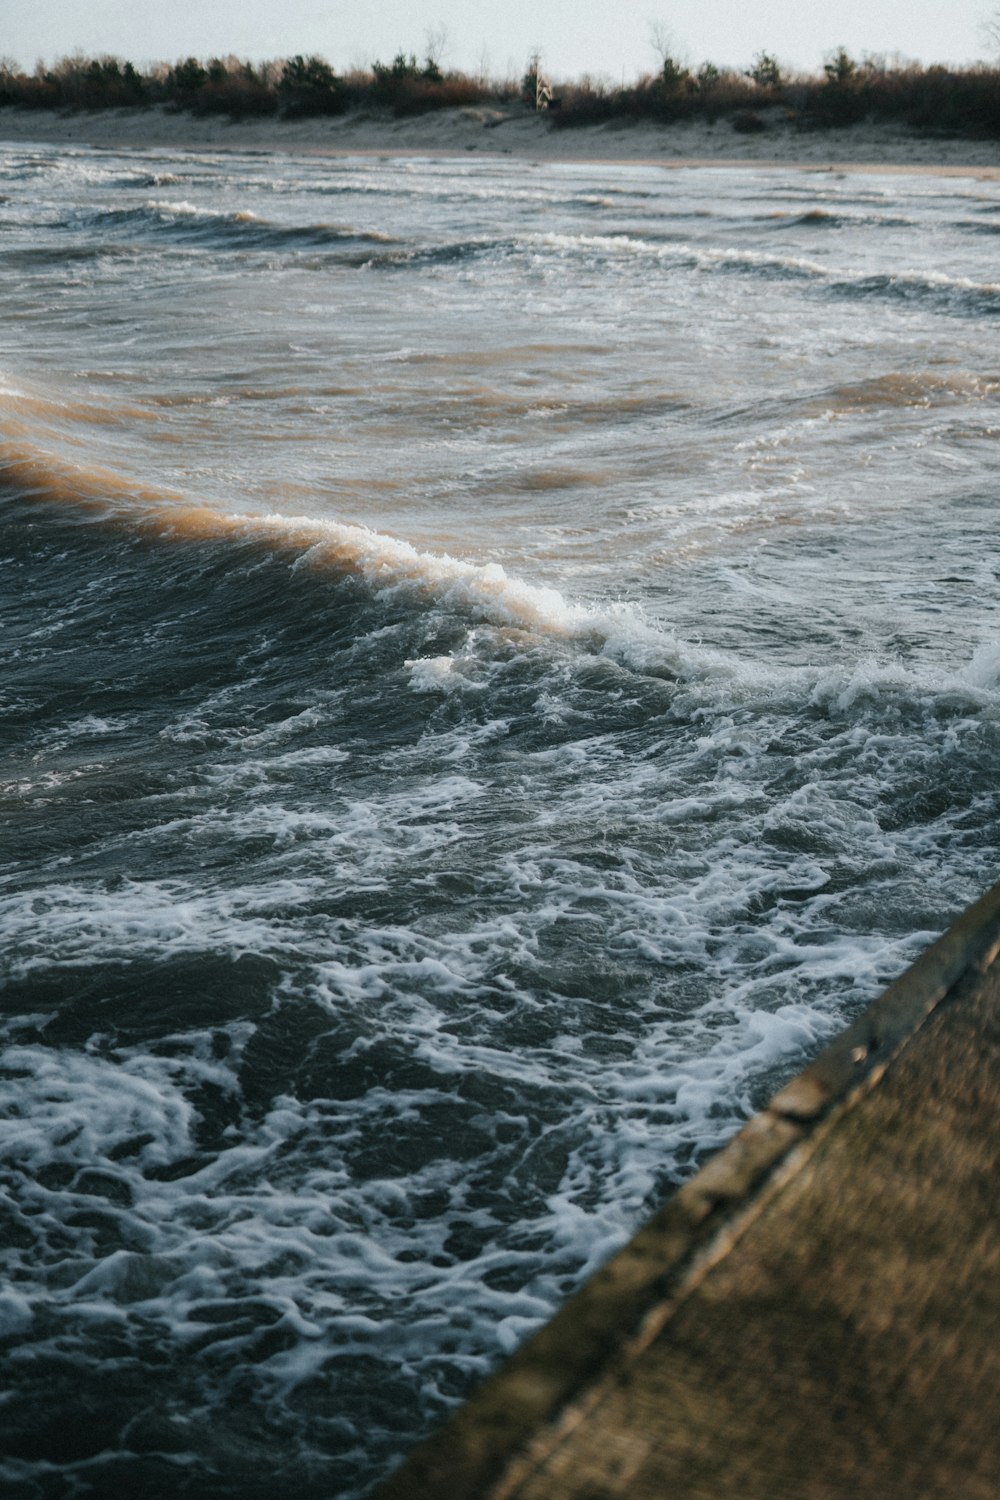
500, 663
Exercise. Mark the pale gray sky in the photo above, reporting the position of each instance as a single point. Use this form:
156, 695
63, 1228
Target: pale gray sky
607, 38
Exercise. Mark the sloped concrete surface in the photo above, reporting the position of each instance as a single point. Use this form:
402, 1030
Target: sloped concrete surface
816, 1314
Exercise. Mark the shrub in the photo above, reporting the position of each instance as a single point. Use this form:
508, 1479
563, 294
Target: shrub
675, 81
184, 81
421, 95
229, 87
589, 103
406, 86
841, 70
41, 91
766, 71
747, 122
106, 84
309, 86
842, 98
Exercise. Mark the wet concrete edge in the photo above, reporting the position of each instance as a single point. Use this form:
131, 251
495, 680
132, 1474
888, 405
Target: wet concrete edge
498, 1434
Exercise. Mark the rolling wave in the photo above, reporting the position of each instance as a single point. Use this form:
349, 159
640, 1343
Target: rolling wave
188, 223
828, 218
947, 293
393, 569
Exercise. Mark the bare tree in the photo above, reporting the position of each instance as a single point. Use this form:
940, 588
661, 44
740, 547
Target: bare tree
675, 74
436, 45
661, 40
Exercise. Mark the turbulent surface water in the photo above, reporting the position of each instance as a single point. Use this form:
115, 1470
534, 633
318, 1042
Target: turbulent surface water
499, 663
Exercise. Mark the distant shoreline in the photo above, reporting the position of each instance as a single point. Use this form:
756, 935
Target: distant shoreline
514, 131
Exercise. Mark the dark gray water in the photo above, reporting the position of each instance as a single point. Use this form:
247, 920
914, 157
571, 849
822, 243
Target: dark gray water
499, 662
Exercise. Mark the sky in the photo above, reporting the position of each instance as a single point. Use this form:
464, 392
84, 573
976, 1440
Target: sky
608, 39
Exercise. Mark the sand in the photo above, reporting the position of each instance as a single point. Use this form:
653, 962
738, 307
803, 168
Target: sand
516, 131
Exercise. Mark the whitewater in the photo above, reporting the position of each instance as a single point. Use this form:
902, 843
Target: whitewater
500, 663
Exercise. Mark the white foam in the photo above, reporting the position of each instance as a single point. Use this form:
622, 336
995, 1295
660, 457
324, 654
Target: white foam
619, 631
432, 674
182, 208
81, 1107
389, 562
983, 671
710, 257
15, 1313
67, 925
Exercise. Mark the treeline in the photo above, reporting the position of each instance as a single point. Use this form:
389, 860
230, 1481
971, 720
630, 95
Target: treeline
294, 87
956, 101
941, 100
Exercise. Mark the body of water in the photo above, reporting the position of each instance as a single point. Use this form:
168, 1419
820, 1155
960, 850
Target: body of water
499, 663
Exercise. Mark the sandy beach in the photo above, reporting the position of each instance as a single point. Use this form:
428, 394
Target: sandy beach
516, 131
